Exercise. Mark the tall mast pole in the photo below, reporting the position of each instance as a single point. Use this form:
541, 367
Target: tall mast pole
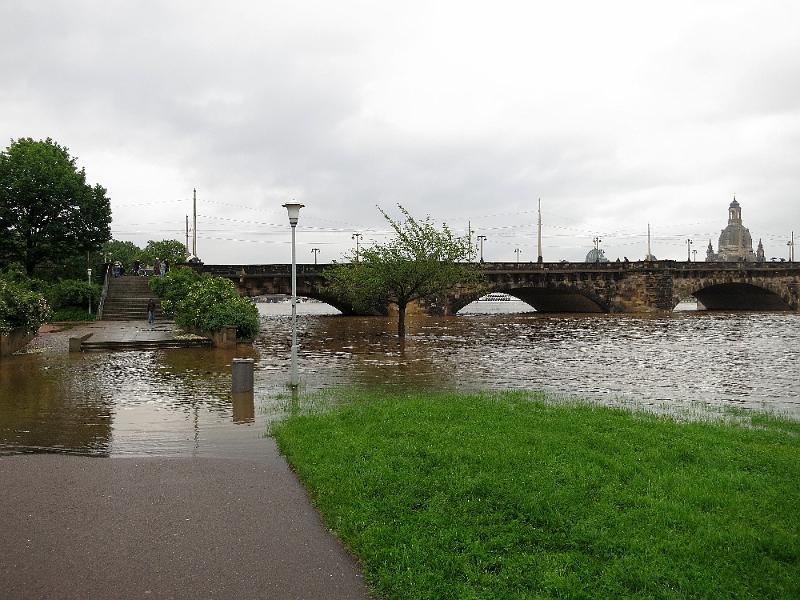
194, 222
469, 240
539, 237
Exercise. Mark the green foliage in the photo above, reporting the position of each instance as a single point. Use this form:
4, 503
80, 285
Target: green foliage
170, 250
74, 293
125, 252
73, 313
21, 307
508, 496
173, 286
419, 262
205, 302
47, 210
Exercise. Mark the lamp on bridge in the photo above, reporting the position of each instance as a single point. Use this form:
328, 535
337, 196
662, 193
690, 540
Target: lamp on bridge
293, 208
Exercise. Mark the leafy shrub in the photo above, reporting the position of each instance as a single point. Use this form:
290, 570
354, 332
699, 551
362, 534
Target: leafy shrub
205, 302
21, 307
73, 292
174, 285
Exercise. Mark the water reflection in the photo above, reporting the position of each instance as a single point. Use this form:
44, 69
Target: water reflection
244, 408
53, 406
179, 402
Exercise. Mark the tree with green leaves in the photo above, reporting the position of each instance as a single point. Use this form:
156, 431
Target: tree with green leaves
170, 250
47, 210
125, 252
418, 262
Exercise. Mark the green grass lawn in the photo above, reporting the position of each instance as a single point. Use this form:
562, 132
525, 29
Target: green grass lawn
508, 496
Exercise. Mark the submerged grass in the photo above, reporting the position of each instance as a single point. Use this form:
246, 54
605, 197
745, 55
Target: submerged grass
510, 496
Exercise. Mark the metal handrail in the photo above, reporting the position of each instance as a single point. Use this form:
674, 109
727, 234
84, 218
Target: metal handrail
103, 293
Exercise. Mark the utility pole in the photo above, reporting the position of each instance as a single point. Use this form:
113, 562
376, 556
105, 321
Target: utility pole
187, 234
689, 249
469, 240
481, 238
315, 251
194, 223
356, 237
539, 237
517, 251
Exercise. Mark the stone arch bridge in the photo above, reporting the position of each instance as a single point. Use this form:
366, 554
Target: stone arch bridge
633, 287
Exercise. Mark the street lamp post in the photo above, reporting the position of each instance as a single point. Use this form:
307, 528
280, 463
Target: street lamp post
597, 241
689, 250
357, 237
89, 274
481, 238
694, 254
315, 251
517, 251
790, 243
293, 208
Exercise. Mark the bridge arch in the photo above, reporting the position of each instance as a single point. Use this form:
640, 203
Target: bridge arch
729, 295
551, 299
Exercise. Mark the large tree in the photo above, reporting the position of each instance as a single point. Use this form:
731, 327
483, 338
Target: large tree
124, 251
170, 250
47, 210
417, 262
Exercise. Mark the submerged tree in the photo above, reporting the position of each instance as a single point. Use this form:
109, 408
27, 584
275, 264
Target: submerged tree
47, 210
418, 262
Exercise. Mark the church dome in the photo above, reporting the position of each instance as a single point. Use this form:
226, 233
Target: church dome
595, 256
735, 243
735, 236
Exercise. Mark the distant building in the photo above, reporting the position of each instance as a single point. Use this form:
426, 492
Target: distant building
735, 243
596, 256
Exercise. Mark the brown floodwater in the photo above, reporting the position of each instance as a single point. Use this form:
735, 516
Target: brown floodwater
178, 402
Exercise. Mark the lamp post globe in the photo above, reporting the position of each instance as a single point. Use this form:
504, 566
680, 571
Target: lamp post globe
293, 208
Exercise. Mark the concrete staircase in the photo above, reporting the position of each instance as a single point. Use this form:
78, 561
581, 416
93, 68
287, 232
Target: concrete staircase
126, 299
123, 345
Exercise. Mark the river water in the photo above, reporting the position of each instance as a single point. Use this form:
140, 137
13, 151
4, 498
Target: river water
178, 402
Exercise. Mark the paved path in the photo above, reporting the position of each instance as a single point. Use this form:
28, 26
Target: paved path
75, 527
55, 337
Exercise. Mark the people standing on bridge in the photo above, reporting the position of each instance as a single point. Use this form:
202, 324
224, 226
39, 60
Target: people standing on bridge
151, 311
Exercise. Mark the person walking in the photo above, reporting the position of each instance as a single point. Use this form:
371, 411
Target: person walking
151, 311
157, 267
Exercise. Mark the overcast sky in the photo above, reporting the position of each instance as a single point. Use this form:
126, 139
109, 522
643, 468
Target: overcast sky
615, 114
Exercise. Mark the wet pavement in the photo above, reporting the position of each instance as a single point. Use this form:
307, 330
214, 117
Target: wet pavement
157, 527
77, 527
55, 337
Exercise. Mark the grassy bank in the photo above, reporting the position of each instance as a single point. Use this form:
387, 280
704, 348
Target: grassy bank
449, 496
